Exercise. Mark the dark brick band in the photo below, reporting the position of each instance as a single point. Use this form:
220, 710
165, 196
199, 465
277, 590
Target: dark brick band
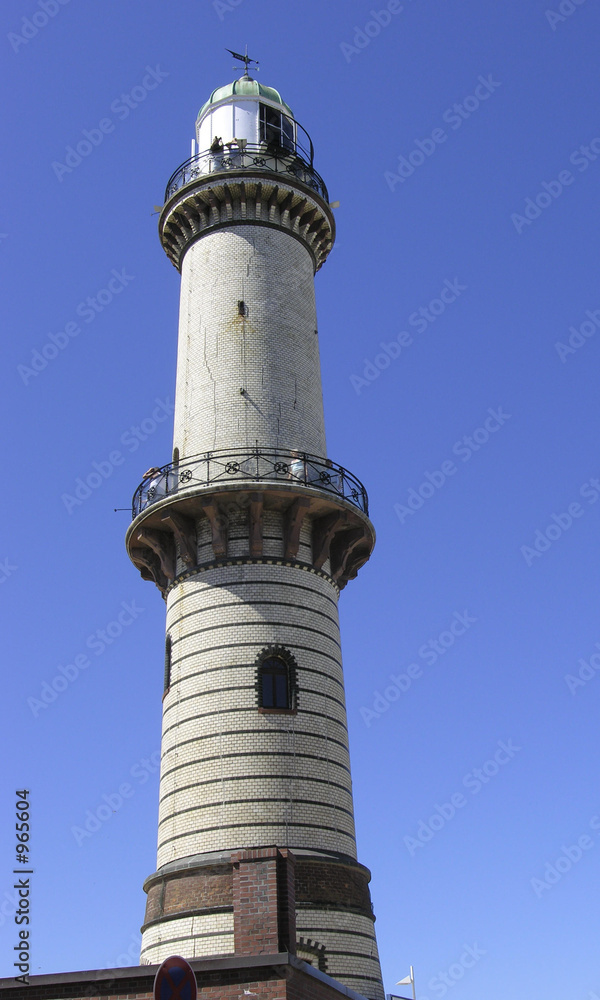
320, 884
182, 893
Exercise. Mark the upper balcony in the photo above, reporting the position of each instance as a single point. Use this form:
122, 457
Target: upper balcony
239, 155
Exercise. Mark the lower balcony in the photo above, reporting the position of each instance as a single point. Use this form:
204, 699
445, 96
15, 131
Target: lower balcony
248, 467
212, 510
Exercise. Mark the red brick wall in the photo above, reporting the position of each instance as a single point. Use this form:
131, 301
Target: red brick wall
268, 982
264, 909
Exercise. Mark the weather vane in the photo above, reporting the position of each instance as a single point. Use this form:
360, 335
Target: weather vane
245, 59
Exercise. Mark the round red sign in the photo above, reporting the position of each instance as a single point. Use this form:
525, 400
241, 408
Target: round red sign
175, 980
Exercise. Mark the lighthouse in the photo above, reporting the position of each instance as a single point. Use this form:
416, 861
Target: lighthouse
250, 531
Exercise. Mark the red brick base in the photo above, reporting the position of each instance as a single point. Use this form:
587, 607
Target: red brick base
271, 977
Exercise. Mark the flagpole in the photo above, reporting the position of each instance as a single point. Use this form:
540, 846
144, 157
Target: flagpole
411, 979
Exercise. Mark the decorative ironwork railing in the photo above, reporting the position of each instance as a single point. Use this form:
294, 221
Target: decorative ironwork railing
256, 465
245, 156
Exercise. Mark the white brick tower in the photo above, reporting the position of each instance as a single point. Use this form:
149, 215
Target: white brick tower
250, 533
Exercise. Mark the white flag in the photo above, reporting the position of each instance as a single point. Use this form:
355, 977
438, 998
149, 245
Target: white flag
405, 982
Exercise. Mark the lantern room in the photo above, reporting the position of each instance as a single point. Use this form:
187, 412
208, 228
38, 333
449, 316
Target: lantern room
248, 126
246, 110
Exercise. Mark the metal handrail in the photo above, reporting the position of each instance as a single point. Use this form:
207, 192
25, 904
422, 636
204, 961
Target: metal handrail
251, 465
247, 156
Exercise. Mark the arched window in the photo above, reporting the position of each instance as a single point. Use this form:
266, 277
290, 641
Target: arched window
275, 686
276, 680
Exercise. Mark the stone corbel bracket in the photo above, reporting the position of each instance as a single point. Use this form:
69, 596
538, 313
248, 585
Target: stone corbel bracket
342, 536
257, 199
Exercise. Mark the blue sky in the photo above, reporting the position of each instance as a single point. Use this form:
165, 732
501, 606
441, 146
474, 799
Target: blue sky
481, 599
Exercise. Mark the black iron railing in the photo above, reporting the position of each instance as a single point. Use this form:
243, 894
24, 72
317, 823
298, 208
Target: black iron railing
245, 156
256, 465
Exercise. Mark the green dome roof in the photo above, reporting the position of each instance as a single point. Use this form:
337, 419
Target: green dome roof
248, 88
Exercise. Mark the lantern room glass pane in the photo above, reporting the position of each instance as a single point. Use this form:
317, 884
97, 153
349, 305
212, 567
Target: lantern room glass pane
276, 128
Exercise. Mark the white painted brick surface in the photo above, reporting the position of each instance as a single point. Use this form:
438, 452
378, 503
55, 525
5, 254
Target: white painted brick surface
351, 947
272, 353
196, 937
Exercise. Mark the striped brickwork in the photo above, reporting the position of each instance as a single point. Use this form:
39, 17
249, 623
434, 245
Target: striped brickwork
230, 775
234, 777
245, 789
349, 946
